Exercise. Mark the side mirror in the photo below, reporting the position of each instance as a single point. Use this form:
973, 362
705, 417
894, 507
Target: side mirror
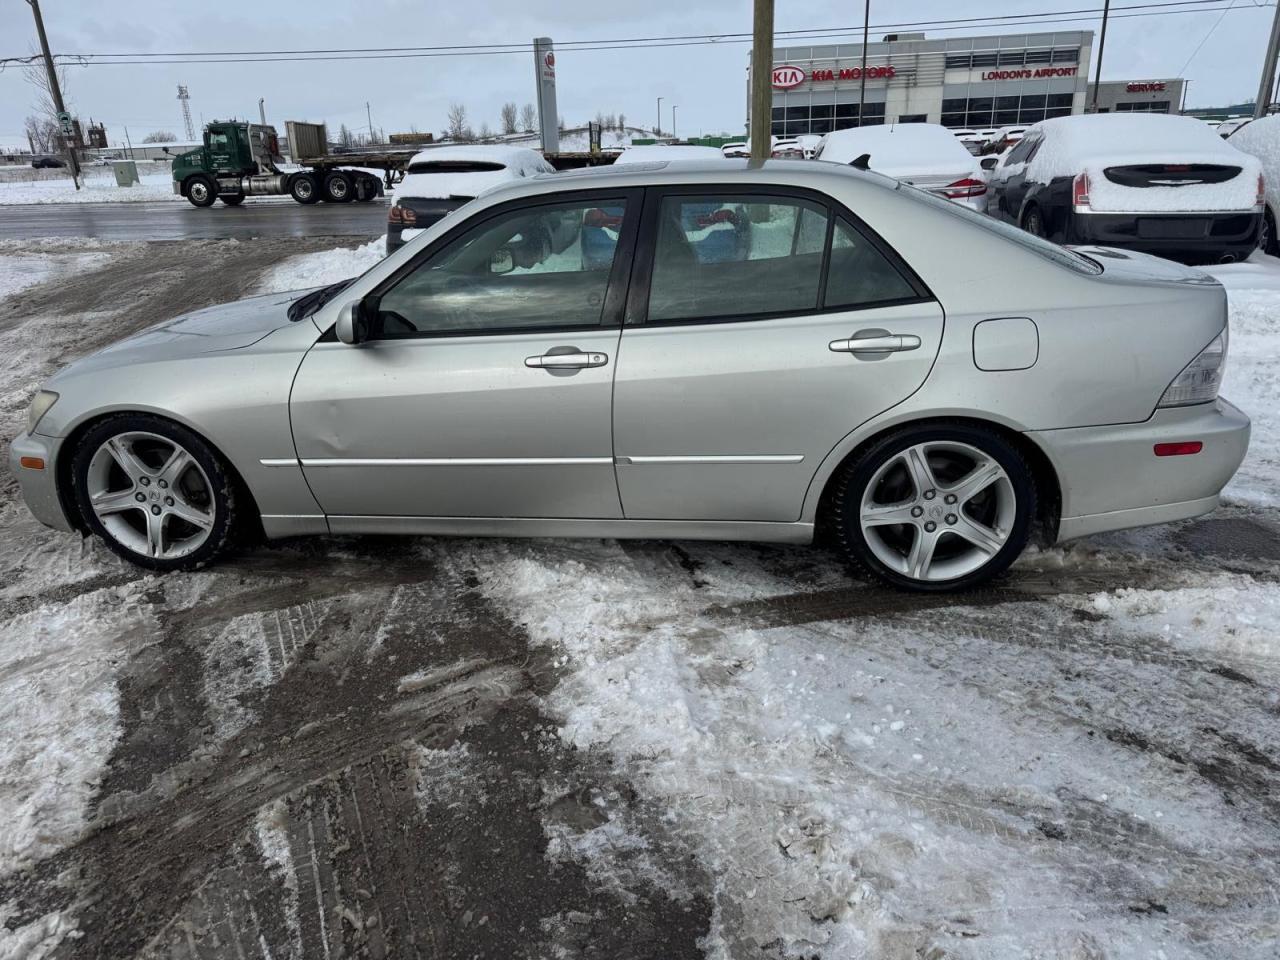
502, 261
989, 163
352, 326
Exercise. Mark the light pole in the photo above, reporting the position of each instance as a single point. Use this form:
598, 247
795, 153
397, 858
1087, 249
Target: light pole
1102, 42
657, 133
55, 93
862, 80
674, 108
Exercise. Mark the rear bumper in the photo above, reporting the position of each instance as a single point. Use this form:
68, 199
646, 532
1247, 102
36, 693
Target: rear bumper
1232, 233
39, 487
1111, 478
426, 213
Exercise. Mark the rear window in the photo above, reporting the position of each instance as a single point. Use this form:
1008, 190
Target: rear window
1050, 251
456, 166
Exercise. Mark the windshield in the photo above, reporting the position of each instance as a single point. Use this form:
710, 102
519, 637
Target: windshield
1050, 251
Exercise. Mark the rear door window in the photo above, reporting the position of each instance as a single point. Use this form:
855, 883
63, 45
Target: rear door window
860, 275
726, 257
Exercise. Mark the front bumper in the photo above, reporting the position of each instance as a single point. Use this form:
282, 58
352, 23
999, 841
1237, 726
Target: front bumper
40, 487
1111, 478
1233, 233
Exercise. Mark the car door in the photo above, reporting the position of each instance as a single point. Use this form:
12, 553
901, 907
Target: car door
1009, 179
763, 327
484, 389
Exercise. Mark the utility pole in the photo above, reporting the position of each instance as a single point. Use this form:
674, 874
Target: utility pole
1268, 69
862, 83
368, 113
657, 133
128, 142
674, 108
1102, 42
262, 110
762, 81
55, 91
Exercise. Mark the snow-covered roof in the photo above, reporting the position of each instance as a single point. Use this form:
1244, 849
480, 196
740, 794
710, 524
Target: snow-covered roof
659, 151
483, 152
899, 149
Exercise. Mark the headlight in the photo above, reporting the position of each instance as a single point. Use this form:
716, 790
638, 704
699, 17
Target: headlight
1200, 379
39, 407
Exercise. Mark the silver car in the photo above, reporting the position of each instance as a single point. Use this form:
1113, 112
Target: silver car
725, 351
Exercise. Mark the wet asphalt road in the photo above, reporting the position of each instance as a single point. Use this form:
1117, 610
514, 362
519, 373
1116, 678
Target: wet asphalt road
170, 220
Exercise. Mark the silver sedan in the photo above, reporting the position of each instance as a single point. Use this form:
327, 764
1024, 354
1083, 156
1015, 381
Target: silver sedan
720, 351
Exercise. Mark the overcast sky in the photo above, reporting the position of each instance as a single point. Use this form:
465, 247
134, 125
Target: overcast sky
707, 82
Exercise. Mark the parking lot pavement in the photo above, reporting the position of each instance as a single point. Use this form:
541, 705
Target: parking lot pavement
459, 748
181, 221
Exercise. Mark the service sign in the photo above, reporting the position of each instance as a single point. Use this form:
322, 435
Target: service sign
786, 76
1154, 86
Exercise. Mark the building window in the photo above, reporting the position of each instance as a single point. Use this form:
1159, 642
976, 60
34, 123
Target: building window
959, 61
823, 118
1066, 56
1011, 58
1143, 106
1004, 111
1039, 56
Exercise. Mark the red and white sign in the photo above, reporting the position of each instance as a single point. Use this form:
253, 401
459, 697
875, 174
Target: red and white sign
1155, 86
852, 73
786, 76
1025, 74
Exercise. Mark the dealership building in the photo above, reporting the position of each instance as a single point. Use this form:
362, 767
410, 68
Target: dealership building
972, 82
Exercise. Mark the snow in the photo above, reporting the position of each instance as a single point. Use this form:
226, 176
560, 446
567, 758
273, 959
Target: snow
23, 264
319, 269
98, 186
650, 153
1261, 139
902, 150
1091, 143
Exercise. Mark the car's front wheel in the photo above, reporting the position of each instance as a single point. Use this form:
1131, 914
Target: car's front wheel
155, 492
935, 508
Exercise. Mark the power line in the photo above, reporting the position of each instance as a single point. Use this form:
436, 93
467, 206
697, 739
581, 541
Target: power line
499, 49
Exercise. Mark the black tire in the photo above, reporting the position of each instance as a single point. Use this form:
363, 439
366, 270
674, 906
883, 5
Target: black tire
233, 201
366, 189
1033, 223
201, 191
1269, 243
852, 480
338, 187
304, 188
220, 494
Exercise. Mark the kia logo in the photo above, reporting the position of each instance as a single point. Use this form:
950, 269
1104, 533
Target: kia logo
550, 60
786, 76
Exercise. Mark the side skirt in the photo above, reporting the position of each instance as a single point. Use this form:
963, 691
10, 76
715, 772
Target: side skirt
545, 527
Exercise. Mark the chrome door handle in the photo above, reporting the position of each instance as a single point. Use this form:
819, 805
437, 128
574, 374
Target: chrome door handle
567, 361
889, 343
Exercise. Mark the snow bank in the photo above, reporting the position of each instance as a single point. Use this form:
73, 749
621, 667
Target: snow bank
23, 266
1093, 142
96, 188
327, 266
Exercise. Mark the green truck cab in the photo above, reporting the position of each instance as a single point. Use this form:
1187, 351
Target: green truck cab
238, 160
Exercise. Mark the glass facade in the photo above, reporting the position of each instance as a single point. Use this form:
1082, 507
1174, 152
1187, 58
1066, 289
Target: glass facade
1012, 58
1020, 109
1143, 106
795, 119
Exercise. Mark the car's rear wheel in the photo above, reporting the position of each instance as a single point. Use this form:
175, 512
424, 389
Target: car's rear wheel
1269, 243
935, 508
1033, 222
155, 492
201, 191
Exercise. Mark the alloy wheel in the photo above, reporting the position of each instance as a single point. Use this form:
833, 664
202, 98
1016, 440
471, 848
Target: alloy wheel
151, 495
938, 510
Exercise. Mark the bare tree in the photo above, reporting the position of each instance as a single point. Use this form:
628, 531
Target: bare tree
42, 132
458, 122
560, 124
610, 122
599, 119
528, 118
345, 136
622, 123
160, 136
36, 75
485, 132
509, 119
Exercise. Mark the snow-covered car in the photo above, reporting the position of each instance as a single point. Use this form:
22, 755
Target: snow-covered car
738, 148
1161, 184
441, 179
651, 153
924, 155
1005, 138
1261, 139
787, 148
929, 385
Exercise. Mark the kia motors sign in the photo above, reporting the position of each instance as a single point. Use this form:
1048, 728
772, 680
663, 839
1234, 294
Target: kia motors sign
786, 77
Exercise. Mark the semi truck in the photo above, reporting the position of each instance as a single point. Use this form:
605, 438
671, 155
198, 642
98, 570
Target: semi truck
239, 159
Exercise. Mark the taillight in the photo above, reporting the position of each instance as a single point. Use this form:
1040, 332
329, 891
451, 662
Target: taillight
1261, 199
1183, 448
968, 187
1080, 192
401, 216
1200, 379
